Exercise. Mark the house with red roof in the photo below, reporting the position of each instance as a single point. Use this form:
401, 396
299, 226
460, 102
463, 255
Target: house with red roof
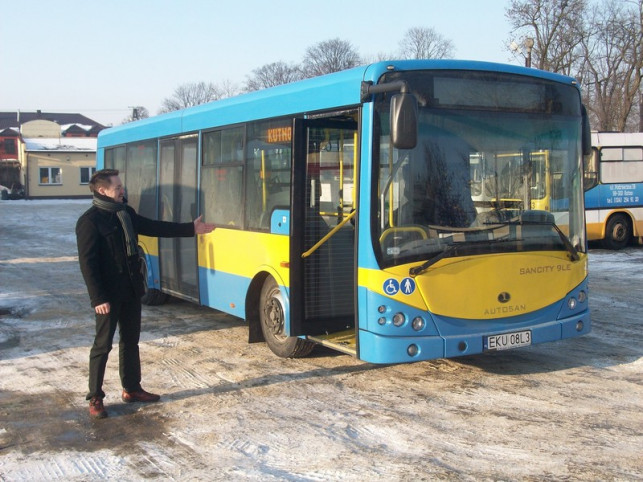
47, 155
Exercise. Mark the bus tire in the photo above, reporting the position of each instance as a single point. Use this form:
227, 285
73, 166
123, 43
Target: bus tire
618, 232
273, 318
152, 296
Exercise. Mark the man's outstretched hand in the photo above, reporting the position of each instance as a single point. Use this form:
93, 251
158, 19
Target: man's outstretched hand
202, 228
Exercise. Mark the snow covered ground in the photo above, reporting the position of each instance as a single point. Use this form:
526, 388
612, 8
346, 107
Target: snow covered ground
569, 410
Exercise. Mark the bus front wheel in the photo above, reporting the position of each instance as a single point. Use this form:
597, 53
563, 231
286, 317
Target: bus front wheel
617, 232
273, 319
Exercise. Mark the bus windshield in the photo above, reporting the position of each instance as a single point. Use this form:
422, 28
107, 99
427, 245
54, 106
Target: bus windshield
497, 168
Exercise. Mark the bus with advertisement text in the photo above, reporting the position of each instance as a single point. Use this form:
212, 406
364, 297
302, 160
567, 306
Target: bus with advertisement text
351, 212
614, 189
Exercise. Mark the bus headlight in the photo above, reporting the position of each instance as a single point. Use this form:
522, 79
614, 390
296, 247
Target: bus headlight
582, 296
571, 303
413, 350
417, 323
399, 319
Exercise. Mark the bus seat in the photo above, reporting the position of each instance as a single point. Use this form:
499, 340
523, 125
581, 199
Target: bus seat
280, 199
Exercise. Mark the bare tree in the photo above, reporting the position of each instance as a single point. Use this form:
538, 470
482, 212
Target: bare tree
329, 56
556, 26
227, 88
599, 44
271, 75
191, 94
613, 66
379, 57
425, 43
138, 112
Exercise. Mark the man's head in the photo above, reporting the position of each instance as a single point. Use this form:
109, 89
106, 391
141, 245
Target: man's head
107, 183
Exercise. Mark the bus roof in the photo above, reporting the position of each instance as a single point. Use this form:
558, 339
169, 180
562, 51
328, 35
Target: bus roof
338, 90
617, 139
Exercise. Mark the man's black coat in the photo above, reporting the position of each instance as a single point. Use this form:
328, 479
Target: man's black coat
102, 254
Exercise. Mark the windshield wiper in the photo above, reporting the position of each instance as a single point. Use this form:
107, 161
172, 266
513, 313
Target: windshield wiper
531, 218
545, 218
573, 252
416, 270
449, 250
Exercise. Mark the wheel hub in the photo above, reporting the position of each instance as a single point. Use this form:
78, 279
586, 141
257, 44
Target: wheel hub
275, 316
619, 232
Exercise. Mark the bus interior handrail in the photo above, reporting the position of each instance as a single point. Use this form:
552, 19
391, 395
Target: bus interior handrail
328, 235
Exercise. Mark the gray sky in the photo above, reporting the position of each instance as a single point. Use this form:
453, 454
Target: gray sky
101, 57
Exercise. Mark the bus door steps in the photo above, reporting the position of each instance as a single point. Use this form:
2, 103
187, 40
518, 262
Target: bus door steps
343, 341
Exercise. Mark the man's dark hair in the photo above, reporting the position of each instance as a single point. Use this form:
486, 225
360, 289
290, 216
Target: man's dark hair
102, 178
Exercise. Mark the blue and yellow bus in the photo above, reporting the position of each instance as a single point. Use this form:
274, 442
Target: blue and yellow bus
614, 189
348, 210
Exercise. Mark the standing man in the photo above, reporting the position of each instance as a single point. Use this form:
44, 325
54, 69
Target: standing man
107, 237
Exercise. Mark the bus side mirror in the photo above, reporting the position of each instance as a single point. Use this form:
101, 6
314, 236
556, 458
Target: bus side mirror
586, 134
404, 121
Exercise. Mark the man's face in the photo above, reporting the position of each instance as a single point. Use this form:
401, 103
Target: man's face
115, 190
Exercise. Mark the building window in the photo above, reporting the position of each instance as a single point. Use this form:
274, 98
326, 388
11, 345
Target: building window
51, 175
86, 174
9, 146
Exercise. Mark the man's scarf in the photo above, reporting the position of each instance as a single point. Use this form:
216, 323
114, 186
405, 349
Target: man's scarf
108, 204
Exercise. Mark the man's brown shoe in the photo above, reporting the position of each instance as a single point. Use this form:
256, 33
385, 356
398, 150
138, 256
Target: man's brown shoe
96, 409
140, 396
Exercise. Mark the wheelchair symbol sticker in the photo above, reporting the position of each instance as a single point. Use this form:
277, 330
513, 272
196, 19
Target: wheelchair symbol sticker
391, 286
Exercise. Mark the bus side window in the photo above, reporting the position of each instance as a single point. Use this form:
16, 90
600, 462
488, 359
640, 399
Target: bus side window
268, 171
222, 176
590, 174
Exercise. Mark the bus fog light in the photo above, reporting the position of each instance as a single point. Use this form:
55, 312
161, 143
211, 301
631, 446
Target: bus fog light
572, 303
418, 323
399, 319
413, 350
582, 296
381, 309
579, 326
382, 321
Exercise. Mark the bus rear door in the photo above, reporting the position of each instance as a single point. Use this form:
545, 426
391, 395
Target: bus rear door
177, 202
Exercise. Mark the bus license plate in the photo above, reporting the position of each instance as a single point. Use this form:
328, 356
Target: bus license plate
506, 341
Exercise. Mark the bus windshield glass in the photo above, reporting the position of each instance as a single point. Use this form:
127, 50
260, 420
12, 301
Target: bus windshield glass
497, 168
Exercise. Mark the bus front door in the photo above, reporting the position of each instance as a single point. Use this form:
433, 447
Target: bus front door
322, 245
177, 202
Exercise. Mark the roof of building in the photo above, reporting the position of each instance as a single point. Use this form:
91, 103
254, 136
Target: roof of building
64, 144
15, 119
10, 132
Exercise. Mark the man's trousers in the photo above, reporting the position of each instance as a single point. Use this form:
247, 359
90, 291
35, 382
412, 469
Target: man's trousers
126, 314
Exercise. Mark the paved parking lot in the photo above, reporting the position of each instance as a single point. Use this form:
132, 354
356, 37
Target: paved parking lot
229, 410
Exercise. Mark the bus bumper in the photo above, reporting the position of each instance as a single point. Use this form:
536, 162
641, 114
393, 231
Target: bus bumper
376, 348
